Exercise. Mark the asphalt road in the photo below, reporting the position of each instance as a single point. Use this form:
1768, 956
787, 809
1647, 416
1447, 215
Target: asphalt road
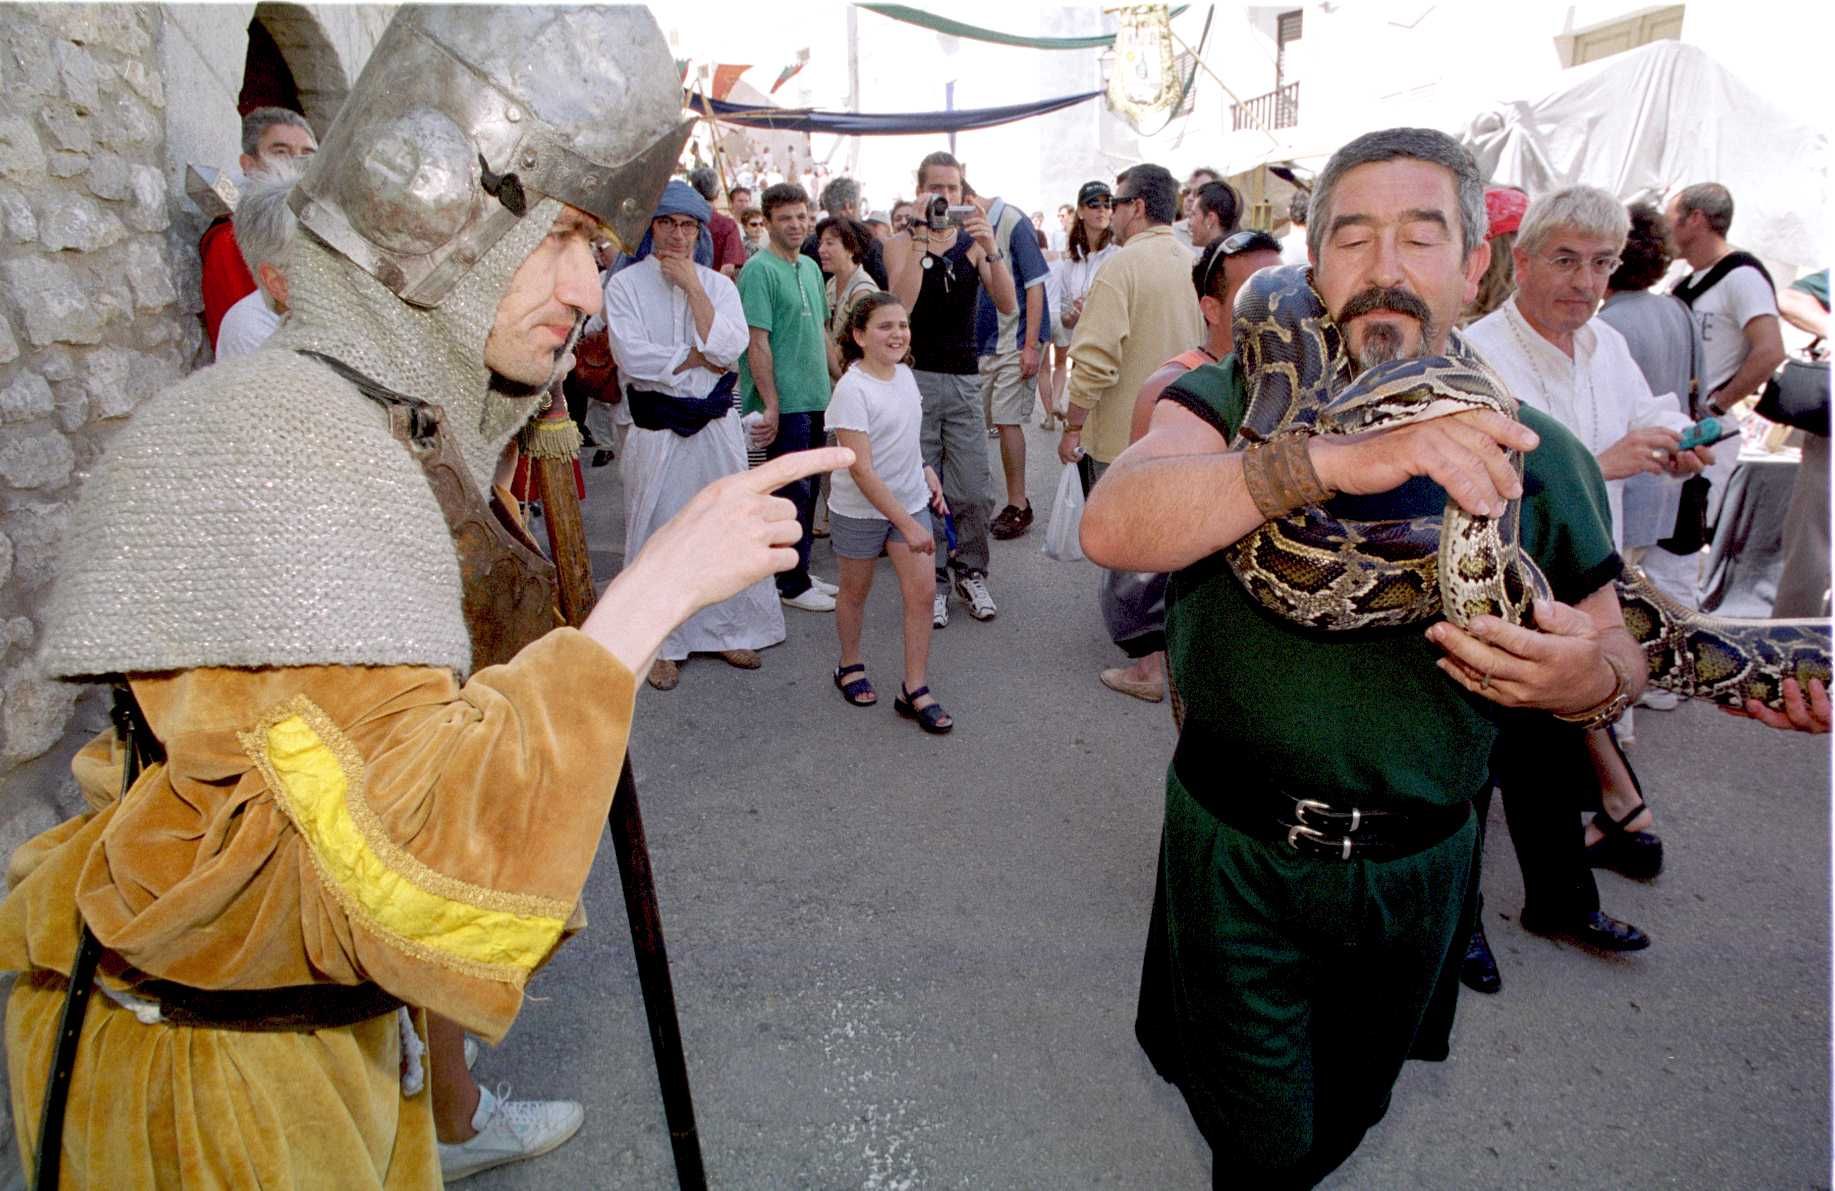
905, 961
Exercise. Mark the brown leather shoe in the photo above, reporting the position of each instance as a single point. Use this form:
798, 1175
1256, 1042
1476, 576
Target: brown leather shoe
1116, 678
741, 659
665, 674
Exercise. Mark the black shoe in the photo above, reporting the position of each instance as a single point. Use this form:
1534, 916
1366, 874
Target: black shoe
1478, 970
1594, 930
1011, 522
1636, 854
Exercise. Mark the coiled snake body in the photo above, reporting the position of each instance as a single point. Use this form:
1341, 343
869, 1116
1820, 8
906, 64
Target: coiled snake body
1337, 574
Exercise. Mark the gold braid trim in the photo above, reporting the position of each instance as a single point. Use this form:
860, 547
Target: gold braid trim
318, 778
550, 438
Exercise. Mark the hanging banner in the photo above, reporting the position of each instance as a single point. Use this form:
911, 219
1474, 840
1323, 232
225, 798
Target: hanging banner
937, 24
878, 123
725, 76
1144, 83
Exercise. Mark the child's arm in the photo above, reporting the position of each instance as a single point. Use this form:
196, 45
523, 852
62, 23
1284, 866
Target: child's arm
874, 489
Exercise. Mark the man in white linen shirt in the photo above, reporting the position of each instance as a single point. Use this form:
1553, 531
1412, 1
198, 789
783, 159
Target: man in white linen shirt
265, 226
677, 330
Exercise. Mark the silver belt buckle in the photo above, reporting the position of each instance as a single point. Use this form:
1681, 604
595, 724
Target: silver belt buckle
1302, 805
1301, 830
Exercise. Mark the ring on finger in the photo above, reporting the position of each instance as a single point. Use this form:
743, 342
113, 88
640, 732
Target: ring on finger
1485, 684
1657, 454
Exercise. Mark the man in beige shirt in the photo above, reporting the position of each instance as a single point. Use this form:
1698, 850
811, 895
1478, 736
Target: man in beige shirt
1141, 311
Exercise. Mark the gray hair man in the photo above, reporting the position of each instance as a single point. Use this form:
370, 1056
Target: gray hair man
1398, 245
265, 226
272, 138
383, 769
841, 200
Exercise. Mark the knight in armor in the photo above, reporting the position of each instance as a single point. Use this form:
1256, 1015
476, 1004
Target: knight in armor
375, 771
1318, 851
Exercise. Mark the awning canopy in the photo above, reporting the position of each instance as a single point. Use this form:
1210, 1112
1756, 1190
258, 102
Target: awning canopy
875, 123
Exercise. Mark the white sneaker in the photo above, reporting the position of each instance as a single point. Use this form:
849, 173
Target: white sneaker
814, 599
1658, 699
939, 609
973, 589
509, 1131
822, 585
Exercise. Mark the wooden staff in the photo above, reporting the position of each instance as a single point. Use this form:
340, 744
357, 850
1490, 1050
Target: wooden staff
553, 445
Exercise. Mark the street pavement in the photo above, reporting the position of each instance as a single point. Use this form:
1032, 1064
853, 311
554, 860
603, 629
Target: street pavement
904, 961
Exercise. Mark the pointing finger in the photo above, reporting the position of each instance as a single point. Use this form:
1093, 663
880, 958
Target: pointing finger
788, 469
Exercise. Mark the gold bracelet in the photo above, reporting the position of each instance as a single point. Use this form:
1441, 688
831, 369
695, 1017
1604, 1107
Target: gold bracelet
1607, 710
1280, 476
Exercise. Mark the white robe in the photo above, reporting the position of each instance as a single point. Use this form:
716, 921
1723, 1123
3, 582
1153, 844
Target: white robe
1599, 394
652, 330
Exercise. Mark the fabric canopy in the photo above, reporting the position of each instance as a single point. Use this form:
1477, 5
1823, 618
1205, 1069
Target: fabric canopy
876, 123
929, 20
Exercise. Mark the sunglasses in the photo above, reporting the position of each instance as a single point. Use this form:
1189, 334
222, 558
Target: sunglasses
1102, 203
1236, 245
754, 223
1126, 198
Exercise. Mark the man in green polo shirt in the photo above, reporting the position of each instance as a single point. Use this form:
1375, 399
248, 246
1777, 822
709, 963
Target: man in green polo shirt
783, 375
1288, 975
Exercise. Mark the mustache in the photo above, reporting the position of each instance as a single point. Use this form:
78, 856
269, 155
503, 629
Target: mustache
1378, 297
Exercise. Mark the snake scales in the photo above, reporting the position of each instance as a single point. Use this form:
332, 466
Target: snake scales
1336, 574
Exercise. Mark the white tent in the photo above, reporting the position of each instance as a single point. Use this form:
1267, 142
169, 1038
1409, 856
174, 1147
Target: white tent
1645, 123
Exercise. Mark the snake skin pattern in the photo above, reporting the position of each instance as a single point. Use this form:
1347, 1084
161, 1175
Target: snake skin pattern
1337, 574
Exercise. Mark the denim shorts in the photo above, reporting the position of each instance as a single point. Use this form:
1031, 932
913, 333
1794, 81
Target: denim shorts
865, 537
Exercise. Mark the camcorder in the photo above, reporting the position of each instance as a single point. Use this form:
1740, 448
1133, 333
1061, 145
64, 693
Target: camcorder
940, 215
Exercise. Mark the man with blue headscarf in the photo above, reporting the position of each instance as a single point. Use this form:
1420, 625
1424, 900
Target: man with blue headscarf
677, 329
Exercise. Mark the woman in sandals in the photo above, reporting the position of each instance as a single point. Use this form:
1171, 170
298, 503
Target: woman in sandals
883, 502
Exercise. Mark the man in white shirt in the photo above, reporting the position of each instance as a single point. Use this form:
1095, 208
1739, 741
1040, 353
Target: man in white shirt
265, 225
677, 330
1730, 294
1293, 244
1553, 354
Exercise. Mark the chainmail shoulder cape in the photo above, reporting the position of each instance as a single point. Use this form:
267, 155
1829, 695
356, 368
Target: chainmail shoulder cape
259, 513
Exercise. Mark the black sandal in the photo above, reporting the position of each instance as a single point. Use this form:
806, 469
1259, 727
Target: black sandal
858, 692
1635, 854
930, 718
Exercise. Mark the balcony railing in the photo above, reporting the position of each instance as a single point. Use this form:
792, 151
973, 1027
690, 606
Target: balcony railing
1279, 108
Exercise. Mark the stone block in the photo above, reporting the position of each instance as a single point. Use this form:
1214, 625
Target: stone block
16, 216
36, 460
77, 69
148, 214
124, 28
109, 177
22, 157
78, 221
6, 558
72, 398
119, 379
123, 122
9, 346
36, 530
55, 364
145, 83
63, 164
33, 71
56, 308
34, 710
26, 399
69, 127
18, 631
148, 275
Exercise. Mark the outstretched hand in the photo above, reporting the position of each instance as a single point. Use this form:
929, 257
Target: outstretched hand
731, 535
1463, 453
1801, 713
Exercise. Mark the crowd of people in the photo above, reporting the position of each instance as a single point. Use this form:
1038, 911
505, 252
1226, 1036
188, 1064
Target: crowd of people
329, 805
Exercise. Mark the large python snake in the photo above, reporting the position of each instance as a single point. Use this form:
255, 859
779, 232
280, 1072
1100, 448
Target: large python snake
1335, 574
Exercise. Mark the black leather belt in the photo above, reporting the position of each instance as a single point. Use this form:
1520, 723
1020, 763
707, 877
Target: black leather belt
1313, 826
299, 1008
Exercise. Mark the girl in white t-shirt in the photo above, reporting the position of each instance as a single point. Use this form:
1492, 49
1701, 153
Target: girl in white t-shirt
883, 501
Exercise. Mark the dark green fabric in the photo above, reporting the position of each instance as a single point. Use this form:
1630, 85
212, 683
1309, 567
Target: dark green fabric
1363, 713
1282, 994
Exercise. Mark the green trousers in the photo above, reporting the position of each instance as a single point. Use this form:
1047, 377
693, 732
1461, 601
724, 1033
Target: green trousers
1282, 993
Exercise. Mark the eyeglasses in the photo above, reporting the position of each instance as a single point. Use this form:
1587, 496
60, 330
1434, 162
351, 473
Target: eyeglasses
1126, 198
754, 224
1102, 203
1569, 263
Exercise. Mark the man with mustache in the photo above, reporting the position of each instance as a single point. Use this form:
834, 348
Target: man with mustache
1318, 846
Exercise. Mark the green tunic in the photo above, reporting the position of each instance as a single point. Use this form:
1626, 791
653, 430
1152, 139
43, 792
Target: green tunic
1283, 993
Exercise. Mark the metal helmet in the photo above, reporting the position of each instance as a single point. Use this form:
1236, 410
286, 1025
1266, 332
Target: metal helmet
466, 116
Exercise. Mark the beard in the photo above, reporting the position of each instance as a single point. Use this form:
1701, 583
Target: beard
1383, 342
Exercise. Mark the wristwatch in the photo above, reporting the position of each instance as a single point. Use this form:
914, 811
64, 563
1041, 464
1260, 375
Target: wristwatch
1608, 712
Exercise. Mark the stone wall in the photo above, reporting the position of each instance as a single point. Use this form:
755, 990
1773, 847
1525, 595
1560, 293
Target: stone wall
101, 109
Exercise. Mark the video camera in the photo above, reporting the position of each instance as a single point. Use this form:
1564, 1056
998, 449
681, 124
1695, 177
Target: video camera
940, 215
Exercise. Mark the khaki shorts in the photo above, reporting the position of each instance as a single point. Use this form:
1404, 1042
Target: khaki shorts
1007, 396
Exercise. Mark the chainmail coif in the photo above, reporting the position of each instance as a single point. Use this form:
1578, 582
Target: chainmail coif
259, 513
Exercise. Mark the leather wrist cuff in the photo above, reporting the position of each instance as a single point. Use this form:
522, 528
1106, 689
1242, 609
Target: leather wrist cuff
1608, 710
1280, 477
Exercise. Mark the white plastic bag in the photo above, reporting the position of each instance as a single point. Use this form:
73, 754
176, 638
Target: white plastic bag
1066, 518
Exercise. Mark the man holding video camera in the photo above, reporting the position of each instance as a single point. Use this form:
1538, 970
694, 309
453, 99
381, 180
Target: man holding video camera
937, 268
